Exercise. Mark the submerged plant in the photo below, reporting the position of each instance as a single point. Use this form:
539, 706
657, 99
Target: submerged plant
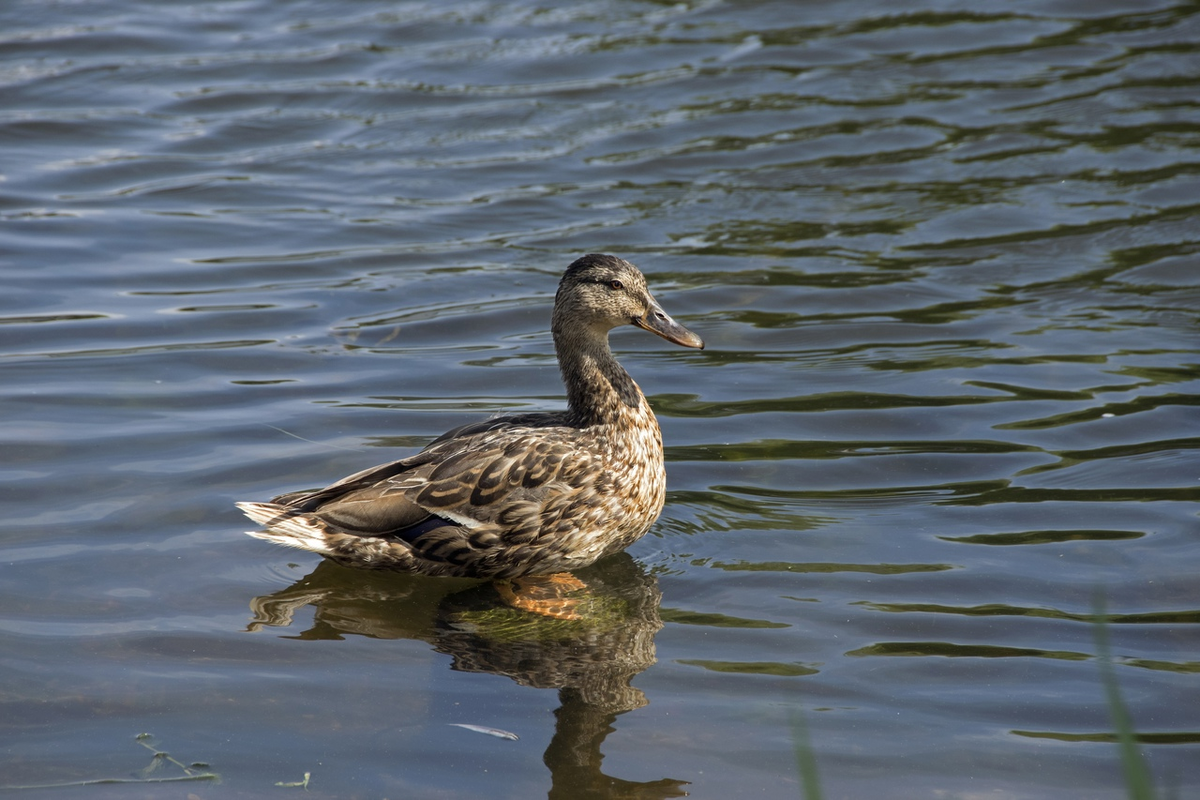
296, 784
196, 771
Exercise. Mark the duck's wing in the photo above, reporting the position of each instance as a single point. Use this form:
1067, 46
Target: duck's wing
356, 506
472, 476
507, 505
496, 477
489, 500
449, 444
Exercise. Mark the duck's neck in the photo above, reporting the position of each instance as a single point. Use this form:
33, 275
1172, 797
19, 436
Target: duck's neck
599, 390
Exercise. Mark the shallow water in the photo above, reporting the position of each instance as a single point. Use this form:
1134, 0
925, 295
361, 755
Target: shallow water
946, 264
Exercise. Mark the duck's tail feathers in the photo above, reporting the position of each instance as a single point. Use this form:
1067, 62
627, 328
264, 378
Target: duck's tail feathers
288, 527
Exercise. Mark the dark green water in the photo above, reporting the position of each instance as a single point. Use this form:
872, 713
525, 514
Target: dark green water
946, 259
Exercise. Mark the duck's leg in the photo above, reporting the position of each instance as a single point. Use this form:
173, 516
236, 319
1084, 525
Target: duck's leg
547, 595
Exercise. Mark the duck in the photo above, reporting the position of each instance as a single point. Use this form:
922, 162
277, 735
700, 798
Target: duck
515, 496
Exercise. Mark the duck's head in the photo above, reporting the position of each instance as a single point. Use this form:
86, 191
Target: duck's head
599, 292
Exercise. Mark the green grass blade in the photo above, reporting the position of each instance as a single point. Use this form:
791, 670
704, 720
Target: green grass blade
1138, 781
806, 760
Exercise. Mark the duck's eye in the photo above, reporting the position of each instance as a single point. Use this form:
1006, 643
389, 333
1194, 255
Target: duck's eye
615, 284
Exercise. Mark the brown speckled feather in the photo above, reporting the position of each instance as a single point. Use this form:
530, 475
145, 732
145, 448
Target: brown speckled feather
519, 495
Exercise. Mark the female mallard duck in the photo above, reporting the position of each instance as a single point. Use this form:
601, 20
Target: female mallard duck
528, 494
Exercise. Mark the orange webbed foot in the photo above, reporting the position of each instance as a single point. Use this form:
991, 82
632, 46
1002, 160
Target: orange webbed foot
546, 595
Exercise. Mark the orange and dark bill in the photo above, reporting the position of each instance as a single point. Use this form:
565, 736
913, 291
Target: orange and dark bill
658, 321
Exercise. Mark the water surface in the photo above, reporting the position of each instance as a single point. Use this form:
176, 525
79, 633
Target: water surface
945, 260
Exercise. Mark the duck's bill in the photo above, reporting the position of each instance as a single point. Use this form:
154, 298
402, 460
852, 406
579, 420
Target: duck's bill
658, 321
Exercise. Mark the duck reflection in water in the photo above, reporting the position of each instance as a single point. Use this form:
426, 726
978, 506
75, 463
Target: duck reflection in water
590, 659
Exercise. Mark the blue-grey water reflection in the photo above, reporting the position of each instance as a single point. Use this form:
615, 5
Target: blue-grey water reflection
947, 264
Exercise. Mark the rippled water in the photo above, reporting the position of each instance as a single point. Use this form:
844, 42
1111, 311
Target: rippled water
946, 262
